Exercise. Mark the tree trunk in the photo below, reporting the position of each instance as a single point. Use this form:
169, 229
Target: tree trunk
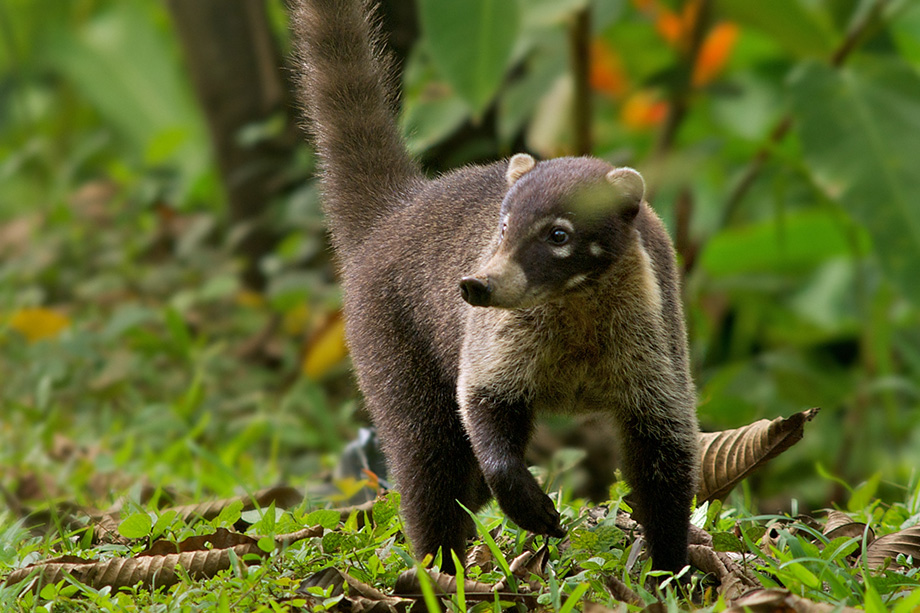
236, 72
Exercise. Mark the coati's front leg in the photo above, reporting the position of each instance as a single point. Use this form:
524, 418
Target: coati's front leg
500, 430
661, 465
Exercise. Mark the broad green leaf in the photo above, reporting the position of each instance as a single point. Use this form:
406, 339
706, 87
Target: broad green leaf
874, 602
326, 518
135, 526
790, 23
726, 541
909, 603
864, 494
471, 43
125, 66
858, 127
804, 575
791, 243
905, 31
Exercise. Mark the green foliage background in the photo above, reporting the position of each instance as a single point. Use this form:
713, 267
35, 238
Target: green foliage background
801, 286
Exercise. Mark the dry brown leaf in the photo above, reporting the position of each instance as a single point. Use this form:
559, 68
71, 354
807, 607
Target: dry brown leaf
150, 571
480, 556
886, 548
408, 585
360, 597
621, 591
777, 600
220, 539
727, 457
731, 577
284, 497
200, 556
840, 524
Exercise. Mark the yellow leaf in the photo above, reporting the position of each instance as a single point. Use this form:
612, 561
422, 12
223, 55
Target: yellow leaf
37, 323
325, 349
295, 320
250, 299
349, 486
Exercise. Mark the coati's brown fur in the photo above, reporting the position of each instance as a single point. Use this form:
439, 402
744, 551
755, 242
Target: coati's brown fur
577, 307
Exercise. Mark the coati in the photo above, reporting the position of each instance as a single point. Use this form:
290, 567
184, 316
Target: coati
479, 298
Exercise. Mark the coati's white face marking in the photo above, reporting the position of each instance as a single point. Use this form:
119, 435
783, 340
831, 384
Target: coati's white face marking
576, 281
596, 250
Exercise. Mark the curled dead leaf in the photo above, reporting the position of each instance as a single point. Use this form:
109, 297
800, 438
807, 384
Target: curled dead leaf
621, 591
283, 497
840, 524
408, 585
360, 597
884, 550
200, 557
773, 600
732, 578
727, 457
151, 572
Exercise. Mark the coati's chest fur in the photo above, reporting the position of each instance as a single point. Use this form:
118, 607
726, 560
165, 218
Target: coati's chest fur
590, 351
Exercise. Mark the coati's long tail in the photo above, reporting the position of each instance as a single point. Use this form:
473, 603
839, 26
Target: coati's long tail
349, 104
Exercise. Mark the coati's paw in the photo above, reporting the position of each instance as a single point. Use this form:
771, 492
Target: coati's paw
531, 509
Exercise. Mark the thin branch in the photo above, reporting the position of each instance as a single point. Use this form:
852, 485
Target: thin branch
580, 53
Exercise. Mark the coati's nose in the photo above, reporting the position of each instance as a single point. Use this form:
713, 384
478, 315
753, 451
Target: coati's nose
478, 292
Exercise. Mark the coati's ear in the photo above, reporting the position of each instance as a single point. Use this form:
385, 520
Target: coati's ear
519, 165
631, 188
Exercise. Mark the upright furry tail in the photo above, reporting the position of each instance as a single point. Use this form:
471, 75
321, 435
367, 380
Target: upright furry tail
348, 99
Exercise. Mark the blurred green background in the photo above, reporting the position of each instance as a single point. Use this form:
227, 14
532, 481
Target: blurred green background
168, 308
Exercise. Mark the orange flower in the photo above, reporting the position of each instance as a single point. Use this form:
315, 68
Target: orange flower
607, 74
714, 53
643, 110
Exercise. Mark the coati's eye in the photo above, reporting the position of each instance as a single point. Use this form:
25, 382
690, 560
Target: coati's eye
558, 236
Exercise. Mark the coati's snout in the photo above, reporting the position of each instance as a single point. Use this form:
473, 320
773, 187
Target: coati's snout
476, 291
500, 283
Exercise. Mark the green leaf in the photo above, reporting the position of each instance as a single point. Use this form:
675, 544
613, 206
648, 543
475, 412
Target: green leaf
230, 514
909, 603
790, 23
858, 127
787, 244
136, 526
874, 602
575, 597
726, 541
326, 518
802, 574
864, 494
471, 43
497, 554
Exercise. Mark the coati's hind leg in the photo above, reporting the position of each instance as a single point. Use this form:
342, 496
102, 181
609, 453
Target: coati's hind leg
500, 430
434, 469
660, 462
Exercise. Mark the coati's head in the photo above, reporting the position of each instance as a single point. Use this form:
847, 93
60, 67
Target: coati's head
564, 222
